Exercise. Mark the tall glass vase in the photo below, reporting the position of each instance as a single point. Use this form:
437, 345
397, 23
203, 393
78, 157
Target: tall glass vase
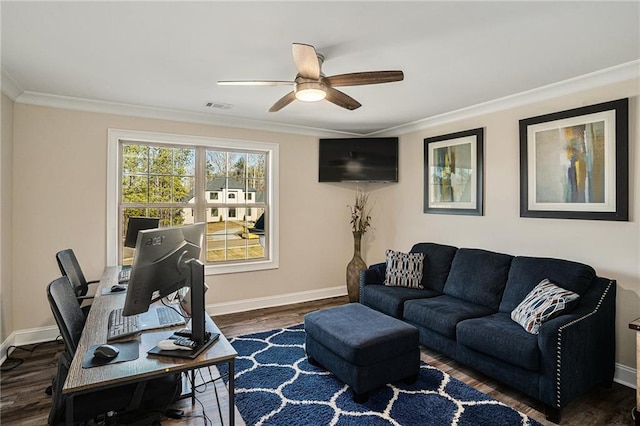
353, 269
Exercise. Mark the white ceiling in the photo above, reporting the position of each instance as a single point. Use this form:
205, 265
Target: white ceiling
169, 55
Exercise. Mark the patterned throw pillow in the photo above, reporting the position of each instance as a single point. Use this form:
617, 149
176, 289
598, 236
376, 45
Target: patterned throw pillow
404, 269
544, 302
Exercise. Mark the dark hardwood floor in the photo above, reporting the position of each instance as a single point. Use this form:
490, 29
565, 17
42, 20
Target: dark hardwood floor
24, 402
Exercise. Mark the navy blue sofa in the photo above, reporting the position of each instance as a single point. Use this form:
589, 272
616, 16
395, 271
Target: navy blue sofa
464, 310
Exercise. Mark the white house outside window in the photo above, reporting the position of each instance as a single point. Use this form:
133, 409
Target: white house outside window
184, 180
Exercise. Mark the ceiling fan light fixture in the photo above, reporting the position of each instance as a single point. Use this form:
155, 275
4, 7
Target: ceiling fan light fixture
310, 91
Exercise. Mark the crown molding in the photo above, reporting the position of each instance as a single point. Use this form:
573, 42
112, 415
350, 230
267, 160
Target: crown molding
623, 72
89, 105
604, 77
10, 86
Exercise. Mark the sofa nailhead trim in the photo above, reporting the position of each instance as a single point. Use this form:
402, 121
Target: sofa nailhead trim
559, 350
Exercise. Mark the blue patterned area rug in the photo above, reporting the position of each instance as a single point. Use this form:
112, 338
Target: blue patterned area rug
276, 385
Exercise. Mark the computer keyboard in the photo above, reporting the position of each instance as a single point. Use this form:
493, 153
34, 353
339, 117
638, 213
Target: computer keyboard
168, 316
124, 275
158, 317
121, 326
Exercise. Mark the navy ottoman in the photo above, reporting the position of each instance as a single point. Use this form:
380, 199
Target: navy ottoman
362, 347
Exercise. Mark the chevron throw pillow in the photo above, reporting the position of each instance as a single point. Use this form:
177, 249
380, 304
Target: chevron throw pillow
544, 302
404, 269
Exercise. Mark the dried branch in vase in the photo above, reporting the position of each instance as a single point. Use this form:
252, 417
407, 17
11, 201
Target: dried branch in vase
360, 215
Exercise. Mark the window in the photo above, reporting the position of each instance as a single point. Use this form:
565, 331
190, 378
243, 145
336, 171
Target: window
169, 177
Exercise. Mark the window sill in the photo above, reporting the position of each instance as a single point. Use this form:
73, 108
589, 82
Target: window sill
235, 268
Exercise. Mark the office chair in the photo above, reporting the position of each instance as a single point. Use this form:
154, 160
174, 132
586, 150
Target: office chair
69, 266
156, 394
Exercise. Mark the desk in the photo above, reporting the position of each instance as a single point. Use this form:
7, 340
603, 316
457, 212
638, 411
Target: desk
81, 380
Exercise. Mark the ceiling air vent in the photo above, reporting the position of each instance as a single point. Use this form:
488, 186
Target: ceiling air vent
218, 105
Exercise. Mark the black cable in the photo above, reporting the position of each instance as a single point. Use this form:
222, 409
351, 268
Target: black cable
198, 389
193, 389
12, 362
215, 389
178, 311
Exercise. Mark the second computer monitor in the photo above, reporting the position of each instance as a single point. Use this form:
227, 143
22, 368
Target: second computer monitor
136, 224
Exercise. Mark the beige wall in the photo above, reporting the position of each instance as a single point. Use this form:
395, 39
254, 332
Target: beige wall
612, 248
60, 159
59, 201
6, 148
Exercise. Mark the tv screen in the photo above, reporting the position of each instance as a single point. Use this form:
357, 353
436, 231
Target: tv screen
358, 160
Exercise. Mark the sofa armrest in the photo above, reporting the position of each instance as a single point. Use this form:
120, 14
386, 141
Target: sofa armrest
578, 348
373, 275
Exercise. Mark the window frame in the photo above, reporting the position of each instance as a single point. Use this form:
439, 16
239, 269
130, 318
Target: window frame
115, 136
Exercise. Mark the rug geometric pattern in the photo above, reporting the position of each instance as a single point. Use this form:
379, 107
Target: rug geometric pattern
276, 385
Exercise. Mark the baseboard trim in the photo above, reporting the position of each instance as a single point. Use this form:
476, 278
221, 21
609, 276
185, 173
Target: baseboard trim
271, 301
28, 337
625, 376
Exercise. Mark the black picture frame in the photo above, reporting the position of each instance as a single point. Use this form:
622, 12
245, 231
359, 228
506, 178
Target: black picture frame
453, 173
574, 163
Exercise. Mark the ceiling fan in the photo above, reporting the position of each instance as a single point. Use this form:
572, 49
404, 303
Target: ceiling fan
312, 85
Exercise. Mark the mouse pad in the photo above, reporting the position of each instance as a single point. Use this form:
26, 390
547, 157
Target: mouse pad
128, 352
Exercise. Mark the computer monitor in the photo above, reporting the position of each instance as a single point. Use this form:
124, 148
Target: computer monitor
136, 224
160, 266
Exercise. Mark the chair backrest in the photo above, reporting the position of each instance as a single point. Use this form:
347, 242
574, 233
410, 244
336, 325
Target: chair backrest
67, 312
69, 266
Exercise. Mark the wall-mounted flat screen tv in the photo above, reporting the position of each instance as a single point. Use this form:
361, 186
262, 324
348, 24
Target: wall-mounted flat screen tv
358, 160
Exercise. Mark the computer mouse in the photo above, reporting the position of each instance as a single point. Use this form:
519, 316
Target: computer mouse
118, 287
106, 352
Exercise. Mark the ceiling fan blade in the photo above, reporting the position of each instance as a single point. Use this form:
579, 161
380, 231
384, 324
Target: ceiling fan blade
342, 99
255, 83
283, 102
360, 78
306, 59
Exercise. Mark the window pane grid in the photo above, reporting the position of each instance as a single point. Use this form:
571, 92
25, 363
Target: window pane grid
162, 181
155, 174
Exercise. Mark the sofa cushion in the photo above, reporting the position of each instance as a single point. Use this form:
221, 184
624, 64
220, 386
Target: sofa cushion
544, 302
437, 263
527, 272
390, 300
404, 269
442, 313
478, 276
497, 336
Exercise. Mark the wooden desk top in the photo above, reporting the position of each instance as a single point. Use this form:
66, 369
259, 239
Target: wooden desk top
146, 366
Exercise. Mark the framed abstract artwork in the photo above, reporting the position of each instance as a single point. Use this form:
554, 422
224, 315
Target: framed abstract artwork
574, 165
453, 175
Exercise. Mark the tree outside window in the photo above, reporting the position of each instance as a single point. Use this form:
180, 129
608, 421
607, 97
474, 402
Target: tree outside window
163, 181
